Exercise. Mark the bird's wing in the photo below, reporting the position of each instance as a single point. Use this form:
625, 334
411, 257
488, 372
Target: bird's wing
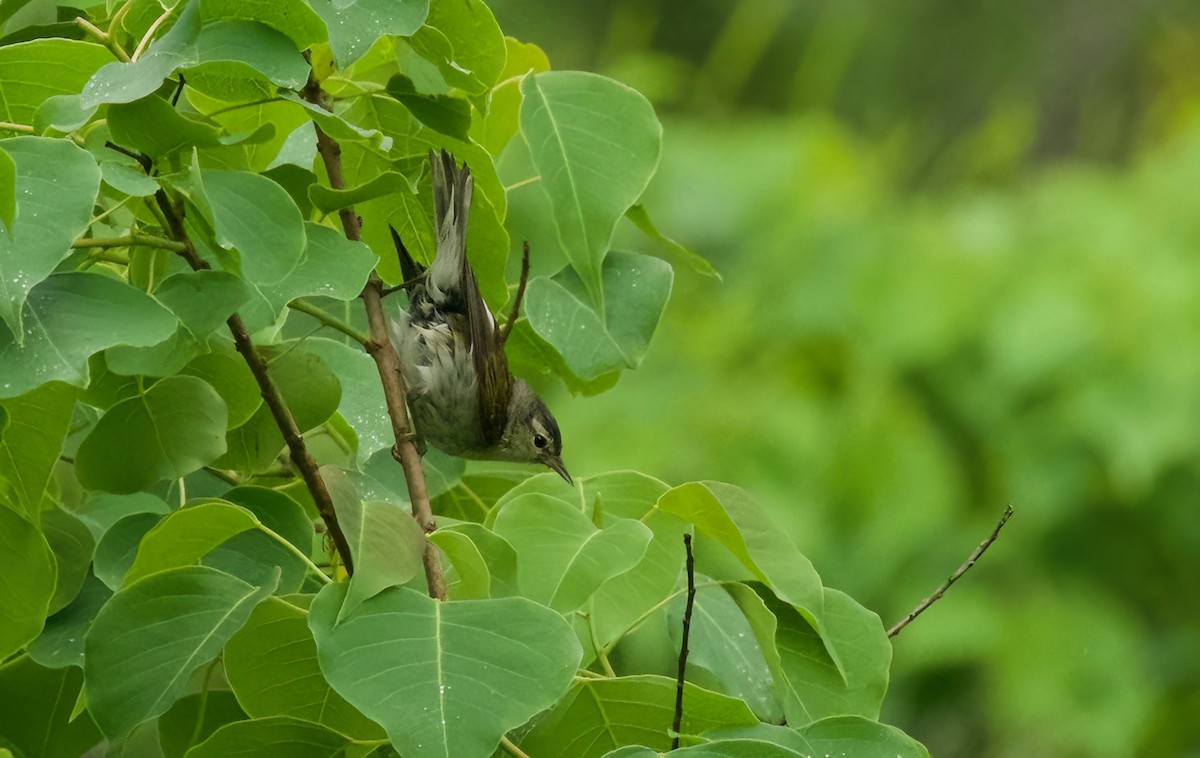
452, 278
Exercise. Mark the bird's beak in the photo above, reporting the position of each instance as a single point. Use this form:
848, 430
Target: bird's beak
556, 464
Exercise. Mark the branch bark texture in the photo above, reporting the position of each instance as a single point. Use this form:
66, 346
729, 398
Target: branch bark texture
386, 361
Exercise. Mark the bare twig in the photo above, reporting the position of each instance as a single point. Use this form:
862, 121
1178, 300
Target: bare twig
974, 556
511, 748
149, 35
13, 127
386, 361
677, 724
102, 37
301, 459
130, 240
513, 315
144, 160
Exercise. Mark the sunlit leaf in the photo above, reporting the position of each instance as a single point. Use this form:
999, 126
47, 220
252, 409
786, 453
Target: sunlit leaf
26, 581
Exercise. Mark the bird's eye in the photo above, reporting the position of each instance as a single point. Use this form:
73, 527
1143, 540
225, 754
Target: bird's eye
539, 441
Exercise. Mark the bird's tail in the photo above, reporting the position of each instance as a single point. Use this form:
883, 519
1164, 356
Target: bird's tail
450, 273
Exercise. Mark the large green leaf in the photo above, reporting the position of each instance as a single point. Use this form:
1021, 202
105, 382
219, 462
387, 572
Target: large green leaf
194, 718
61, 641
362, 393
103, 510
32, 72
124, 82
187, 535
444, 113
563, 557
331, 266
259, 47
475, 42
728, 515
150, 637
151, 126
599, 715
263, 738
72, 544
860, 737
485, 564
32, 441
812, 686
386, 542
595, 145
253, 555
26, 581
117, 549
444, 678
35, 711
226, 371
354, 26
172, 429
68, 318
56, 187
271, 664
8, 191
291, 17
594, 341
724, 654
257, 217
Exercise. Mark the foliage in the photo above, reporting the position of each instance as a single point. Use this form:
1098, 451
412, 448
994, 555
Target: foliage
163, 588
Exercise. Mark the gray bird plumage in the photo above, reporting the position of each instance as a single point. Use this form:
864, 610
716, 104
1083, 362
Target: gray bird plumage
463, 398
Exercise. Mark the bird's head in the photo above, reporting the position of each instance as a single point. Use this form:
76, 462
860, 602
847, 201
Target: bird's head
531, 434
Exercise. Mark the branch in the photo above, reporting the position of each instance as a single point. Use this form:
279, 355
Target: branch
683, 645
301, 459
130, 240
102, 37
386, 361
511, 748
974, 556
19, 128
507, 328
330, 320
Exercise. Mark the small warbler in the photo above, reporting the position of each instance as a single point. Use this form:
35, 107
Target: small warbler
463, 398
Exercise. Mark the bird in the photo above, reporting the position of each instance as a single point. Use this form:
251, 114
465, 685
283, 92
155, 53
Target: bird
463, 398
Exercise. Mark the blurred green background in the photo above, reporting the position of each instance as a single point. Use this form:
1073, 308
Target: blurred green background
961, 250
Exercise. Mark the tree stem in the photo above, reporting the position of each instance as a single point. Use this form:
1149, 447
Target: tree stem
386, 361
330, 320
683, 645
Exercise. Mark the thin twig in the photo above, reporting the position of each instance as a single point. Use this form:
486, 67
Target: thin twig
149, 35
11, 127
300, 456
513, 315
974, 556
178, 91
386, 361
102, 37
330, 320
677, 724
511, 748
130, 240
143, 160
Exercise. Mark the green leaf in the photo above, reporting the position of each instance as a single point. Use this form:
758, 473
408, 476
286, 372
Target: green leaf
474, 495
116, 550
261, 48
635, 288
38, 422
488, 564
291, 17
102, 510
71, 316
857, 736
311, 392
723, 652
728, 515
271, 664
32, 72
56, 187
499, 125
600, 715
444, 677
813, 687
187, 535
61, 113
121, 82
72, 544
178, 729
253, 555
172, 429
564, 558
35, 711
26, 581
676, 253
385, 541
8, 191
150, 637
151, 126
595, 144
355, 26
362, 393
131, 180
463, 36
444, 113
263, 738
226, 371
329, 200
61, 641
257, 217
